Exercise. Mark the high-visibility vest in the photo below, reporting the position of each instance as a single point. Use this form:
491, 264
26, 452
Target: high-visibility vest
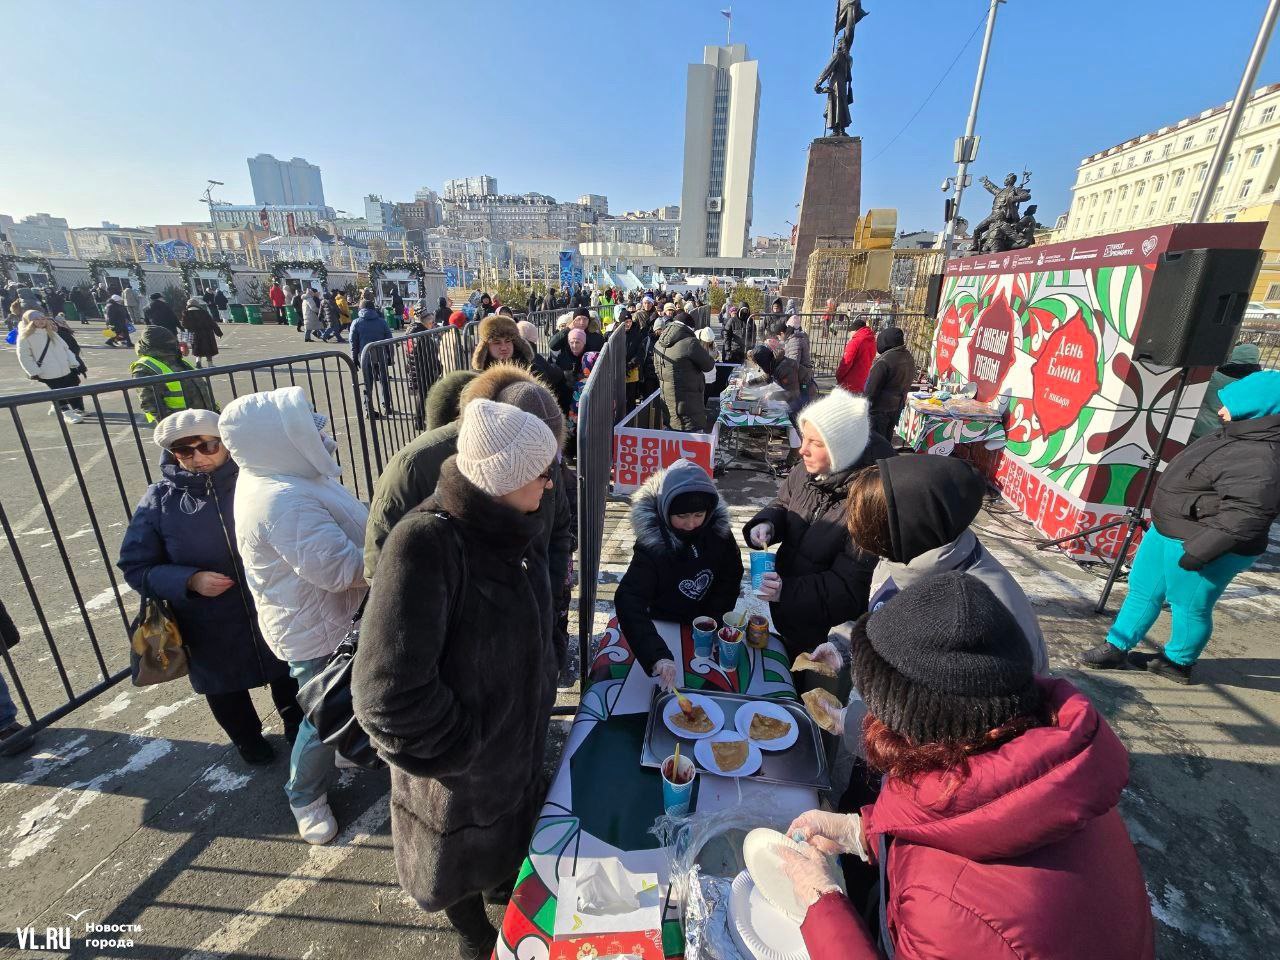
173, 396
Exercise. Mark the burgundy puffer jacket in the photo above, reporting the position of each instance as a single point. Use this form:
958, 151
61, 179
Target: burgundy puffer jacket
1028, 859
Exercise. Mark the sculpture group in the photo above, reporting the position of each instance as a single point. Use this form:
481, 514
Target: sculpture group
1006, 228
838, 73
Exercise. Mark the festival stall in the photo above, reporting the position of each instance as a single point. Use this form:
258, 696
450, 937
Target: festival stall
639, 452
1051, 331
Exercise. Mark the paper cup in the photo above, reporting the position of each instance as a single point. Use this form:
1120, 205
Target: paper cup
762, 562
704, 633
676, 796
729, 653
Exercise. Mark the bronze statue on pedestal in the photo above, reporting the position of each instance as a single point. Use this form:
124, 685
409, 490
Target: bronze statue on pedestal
1006, 228
838, 73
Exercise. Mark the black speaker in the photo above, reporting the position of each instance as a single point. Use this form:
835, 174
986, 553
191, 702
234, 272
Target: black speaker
1196, 303
933, 297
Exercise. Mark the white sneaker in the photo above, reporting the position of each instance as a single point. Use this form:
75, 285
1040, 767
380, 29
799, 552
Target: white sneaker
316, 824
53, 408
73, 416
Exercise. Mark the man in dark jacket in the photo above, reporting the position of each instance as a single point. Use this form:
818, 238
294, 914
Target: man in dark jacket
370, 326
118, 321
330, 318
739, 335
821, 578
680, 362
891, 377
1212, 514
220, 304
159, 313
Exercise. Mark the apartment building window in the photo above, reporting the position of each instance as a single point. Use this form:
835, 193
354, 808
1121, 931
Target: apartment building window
1133, 214
1188, 143
1131, 162
1094, 202
1140, 189
1124, 193
1217, 197
1201, 171
1115, 167
1178, 177
1158, 185
1212, 135
1195, 198
1231, 162
1089, 224
1151, 210
1268, 115
1146, 157
1173, 205
1273, 291
1255, 157
1245, 188
1168, 149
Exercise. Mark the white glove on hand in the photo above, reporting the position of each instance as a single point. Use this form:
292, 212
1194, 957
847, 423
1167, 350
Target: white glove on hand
831, 832
664, 671
770, 587
811, 873
760, 535
829, 655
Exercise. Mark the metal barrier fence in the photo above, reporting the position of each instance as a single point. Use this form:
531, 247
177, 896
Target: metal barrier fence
602, 405
827, 339
1267, 341
63, 528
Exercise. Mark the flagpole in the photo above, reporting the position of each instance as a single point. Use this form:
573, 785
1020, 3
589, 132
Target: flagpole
728, 30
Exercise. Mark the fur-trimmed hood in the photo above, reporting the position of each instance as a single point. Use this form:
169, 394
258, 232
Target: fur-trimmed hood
497, 384
649, 521
480, 359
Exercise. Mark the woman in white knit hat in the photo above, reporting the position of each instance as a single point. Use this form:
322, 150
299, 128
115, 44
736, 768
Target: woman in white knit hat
456, 676
820, 579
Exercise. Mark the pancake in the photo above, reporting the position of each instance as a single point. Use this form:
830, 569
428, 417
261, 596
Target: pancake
730, 755
806, 662
767, 728
811, 700
696, 721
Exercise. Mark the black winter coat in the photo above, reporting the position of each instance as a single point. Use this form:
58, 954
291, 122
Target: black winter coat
554, 378
680, 362
669, 579
204, 331
118, 318
826, 580
454, 684
159, 313
1222, 493
891, 375
739, 336
185, 524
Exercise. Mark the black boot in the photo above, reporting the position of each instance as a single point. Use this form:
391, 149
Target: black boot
1164, 667
1105, 657
256, 752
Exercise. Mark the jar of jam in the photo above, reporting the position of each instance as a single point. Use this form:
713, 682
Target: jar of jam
758, 632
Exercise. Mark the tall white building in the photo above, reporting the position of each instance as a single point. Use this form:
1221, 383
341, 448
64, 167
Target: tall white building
281, 182
481, 186
1156, 178
597, 204
722, 109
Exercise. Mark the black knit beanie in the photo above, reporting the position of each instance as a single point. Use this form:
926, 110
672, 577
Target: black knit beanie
944, 660
691, 501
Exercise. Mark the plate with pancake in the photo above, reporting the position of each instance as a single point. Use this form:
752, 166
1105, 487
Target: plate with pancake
706, 721
727, 754
768, 725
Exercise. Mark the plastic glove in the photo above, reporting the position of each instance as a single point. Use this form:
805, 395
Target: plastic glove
831, 832
760, 535
811, 873
664, 671
835, 713
770, 587
828, 654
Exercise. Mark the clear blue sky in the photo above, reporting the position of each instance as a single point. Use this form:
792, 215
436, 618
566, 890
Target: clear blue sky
120, 111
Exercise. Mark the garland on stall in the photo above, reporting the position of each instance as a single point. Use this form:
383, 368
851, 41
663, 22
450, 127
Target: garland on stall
98, 268
7, 260
280, 269
379, 267
191, 267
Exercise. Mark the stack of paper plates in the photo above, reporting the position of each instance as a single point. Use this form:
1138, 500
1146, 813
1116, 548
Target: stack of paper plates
759, 929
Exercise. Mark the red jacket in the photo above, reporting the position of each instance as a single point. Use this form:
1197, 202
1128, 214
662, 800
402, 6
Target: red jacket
1028, 859
859, 354
276, 294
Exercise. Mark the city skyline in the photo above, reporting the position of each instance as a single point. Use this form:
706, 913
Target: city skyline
1057, 90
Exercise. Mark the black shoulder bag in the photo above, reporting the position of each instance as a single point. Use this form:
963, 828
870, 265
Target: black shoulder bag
326, 698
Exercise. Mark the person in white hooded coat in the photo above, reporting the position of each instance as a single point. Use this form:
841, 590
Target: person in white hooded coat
45, 356
301, 538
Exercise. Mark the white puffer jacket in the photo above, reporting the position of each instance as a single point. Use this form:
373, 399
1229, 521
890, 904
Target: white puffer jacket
58, 360
300, 532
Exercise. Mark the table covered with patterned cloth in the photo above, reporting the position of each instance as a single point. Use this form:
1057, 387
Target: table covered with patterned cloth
938, 433
602, 803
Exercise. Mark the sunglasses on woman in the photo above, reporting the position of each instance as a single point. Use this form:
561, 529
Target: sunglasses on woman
185, 451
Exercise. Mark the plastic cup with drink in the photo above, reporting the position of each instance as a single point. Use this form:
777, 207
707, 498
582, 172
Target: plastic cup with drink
704, 634
678, 774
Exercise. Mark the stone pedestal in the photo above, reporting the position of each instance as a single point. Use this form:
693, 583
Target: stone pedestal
829, 206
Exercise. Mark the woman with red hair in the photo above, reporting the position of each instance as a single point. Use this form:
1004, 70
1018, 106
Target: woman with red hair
995, 833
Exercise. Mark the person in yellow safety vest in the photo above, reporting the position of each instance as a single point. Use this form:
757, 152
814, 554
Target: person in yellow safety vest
158, 353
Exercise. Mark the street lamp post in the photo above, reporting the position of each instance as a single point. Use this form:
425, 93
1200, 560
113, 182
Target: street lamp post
208, 199
967, 146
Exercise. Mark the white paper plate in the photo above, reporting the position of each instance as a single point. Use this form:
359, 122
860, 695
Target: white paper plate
760, 930
742, 720
714, 714
759, 853
707, 760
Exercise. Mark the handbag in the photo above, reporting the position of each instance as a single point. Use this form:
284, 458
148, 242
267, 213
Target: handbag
156, 653
326, 698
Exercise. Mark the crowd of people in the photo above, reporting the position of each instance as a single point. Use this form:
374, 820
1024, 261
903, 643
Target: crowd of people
983, 807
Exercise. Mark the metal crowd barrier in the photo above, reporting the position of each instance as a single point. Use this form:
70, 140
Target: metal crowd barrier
64, 526
827, 338
602, 404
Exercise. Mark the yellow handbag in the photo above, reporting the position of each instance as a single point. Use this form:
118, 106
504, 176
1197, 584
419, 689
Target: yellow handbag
156, 653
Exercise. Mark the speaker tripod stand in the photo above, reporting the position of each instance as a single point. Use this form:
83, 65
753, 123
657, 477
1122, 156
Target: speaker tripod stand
1133, 518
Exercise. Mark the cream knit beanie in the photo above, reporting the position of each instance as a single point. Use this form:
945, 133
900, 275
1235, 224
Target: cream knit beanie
501, 448
843, 420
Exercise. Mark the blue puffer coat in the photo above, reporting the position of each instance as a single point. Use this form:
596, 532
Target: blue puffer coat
176, 532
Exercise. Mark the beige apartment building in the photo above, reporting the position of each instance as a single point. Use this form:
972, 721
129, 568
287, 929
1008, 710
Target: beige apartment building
1157, 178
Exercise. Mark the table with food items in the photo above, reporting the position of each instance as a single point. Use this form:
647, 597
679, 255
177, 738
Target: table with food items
645, 841
936, 422
745, 406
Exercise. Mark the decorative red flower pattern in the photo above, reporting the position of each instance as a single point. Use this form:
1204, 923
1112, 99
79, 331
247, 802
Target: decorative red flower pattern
948, 338
1064, 376
991, 349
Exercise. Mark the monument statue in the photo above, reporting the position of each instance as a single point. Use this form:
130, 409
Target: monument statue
1005, 228
848, 15
838, 77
